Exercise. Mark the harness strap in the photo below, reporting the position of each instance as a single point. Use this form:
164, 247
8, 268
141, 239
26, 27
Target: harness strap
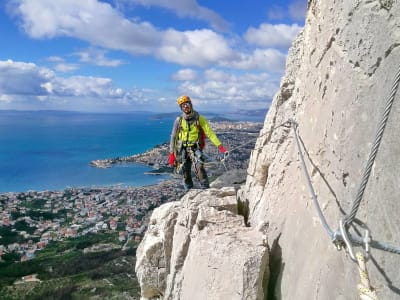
199, 135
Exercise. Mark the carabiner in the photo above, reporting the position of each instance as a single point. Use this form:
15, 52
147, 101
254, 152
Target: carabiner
347, 241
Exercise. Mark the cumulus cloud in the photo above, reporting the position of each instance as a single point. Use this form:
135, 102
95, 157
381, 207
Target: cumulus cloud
79, 86
65, 67
55, 59
19, 78
216, 75
260, 59
269, 35
97, 57
216, 87
5, 99
198, 47
29, 82
61, 65
185, 74
202, 48
91, 20
188, 8
85, 20
104, 27
41, 87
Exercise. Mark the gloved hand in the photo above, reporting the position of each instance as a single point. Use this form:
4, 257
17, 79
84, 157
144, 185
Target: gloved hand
222, 149
171, 159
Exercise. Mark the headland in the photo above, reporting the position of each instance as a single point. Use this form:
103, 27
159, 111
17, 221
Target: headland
35, 223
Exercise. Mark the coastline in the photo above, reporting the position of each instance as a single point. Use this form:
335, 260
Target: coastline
231, 134
113, 218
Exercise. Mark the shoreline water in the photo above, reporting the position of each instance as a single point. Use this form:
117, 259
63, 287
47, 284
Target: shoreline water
53, 152
151, 179
77, 219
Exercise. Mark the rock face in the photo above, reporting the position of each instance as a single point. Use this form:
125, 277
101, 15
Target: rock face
199, 248
339, 74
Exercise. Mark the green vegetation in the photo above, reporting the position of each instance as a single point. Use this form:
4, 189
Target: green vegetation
66, 272
8, 236
47, 215
34, 204
23, 226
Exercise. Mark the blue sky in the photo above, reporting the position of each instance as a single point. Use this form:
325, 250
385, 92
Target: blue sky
127, 55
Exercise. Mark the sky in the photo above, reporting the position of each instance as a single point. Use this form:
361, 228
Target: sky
140, 55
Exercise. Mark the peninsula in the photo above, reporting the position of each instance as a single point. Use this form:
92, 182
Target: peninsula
48, 238
239, 138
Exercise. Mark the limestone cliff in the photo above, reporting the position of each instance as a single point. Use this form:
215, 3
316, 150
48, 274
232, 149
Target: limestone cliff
339, 74
340, 71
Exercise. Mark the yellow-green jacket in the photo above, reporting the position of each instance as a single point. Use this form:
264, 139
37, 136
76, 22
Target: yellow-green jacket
186, 131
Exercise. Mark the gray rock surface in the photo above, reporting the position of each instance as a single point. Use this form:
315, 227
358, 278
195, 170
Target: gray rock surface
339, 74
199, 248
235, 178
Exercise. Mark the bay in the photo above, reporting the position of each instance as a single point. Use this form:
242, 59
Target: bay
51, 150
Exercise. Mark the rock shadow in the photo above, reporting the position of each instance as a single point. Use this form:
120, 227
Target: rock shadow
276, 267
389, 282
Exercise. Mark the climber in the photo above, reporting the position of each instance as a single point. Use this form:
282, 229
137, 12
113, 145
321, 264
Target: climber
187, 143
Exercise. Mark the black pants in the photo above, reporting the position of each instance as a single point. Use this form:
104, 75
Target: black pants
193, 156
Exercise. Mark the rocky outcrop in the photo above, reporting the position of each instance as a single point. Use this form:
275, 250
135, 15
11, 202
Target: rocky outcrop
200, 248
339, 74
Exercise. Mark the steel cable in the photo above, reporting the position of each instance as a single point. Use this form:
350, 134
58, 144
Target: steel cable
356, 204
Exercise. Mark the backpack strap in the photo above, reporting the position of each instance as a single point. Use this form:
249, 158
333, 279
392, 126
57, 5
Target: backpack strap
178, 128
201, 139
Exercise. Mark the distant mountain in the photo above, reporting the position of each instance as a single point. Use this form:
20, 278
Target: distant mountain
167, 115
252, 112
258, 114
219, 118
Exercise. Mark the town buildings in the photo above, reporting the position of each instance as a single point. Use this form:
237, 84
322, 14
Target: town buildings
29, 221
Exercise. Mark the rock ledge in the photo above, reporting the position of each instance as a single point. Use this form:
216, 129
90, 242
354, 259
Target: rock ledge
200, 248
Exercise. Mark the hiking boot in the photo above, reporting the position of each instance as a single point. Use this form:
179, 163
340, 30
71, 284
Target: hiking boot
204, 185
187, 187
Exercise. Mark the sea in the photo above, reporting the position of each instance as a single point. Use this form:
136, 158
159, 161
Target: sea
52, 150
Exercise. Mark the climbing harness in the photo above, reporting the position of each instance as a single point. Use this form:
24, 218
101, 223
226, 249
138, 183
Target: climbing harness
178, 168
200, 142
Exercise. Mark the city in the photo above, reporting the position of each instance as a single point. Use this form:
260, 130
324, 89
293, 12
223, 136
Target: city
30, 220
83, 240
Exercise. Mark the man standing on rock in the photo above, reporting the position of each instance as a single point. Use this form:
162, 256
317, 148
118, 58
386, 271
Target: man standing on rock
187, 143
